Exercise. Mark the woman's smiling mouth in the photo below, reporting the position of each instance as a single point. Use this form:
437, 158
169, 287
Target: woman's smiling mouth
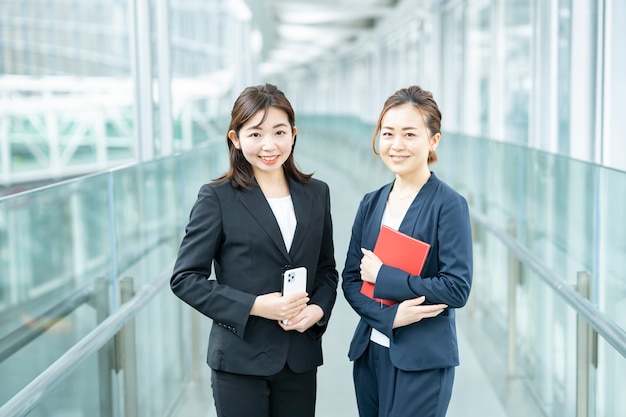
269, 159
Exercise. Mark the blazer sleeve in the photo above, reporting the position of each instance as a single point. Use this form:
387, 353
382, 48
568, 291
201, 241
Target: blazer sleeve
447, 278
190, 281
371, 311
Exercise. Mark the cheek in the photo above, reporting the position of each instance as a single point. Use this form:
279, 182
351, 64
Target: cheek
248, 150
249, 145
383, 146
286, 146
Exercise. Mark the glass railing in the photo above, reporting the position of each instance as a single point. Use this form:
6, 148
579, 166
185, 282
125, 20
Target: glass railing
71, 256
566, 215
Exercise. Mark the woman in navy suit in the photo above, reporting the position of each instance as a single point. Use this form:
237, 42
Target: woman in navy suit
404, 354
260, 218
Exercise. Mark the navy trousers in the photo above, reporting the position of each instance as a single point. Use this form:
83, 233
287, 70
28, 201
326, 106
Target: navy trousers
382, 390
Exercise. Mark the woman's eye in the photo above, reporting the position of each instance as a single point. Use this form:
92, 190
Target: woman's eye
386, 134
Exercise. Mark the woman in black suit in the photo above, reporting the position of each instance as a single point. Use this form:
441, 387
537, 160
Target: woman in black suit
404, 354
261, 217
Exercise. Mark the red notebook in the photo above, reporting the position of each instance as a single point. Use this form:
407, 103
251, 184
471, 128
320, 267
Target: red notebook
401, 251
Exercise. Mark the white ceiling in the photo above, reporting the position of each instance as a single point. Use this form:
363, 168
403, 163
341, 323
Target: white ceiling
296, 33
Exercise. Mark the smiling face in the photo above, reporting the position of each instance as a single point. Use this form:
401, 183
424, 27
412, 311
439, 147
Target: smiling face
405, 141
266, 144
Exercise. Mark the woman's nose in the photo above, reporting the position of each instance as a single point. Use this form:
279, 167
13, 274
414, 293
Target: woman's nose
397, 142
268, 141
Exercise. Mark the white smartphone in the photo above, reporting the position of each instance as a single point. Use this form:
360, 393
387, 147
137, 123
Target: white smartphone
294, 280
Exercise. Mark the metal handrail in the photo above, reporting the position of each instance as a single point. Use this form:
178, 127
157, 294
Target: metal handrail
20, 337
605, 327
23, 335
37, 390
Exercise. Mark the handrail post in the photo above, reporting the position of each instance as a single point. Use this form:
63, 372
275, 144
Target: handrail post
97, 341
586, 350
125, 352
514, 279
105, 359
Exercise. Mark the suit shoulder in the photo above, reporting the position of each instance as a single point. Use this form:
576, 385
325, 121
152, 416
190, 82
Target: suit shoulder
219, 188
445, 192
317, 185
374, 196
216, 193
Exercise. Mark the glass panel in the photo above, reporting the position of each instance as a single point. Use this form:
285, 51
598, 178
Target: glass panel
478, 55
517, 70
611, 288
81, 395
60, 279
451, 100
204, 55
564, 66
614, 145
65, 83
568, 214
56, 257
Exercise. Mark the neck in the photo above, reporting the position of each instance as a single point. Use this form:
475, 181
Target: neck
273, 185
404, 188
405, 184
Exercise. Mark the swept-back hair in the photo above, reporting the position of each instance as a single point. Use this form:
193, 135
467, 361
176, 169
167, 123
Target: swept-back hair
425, 104
248, 104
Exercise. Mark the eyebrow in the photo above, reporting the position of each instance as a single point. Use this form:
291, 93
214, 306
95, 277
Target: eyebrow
258, 127
404, 128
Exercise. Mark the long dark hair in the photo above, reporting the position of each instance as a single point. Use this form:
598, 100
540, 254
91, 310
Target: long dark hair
425, 104
250, 101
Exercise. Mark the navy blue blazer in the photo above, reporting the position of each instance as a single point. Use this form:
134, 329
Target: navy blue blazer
440, 216
236, 231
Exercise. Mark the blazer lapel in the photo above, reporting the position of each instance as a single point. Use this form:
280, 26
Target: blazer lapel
373, 228
409, 223
302, 206
258, 207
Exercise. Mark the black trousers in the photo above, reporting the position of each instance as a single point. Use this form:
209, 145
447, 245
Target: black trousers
286, 394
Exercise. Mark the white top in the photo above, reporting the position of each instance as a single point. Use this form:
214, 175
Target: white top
285, 216
393, 222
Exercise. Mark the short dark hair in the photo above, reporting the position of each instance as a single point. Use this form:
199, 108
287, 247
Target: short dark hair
424, 102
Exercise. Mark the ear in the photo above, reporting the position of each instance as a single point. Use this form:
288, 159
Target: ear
434, 141
232, 135
295, 131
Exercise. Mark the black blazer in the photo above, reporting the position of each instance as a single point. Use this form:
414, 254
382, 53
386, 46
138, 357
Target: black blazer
440, 216
236, 231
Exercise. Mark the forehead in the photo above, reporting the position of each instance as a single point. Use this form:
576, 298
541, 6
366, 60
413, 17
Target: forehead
273, 116
404, 115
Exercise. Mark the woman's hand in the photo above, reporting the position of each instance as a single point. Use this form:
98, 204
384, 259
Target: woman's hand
309, 316
275, 306
411, 311
370, 265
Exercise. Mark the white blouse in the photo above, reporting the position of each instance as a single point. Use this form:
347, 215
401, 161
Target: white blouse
285, 216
